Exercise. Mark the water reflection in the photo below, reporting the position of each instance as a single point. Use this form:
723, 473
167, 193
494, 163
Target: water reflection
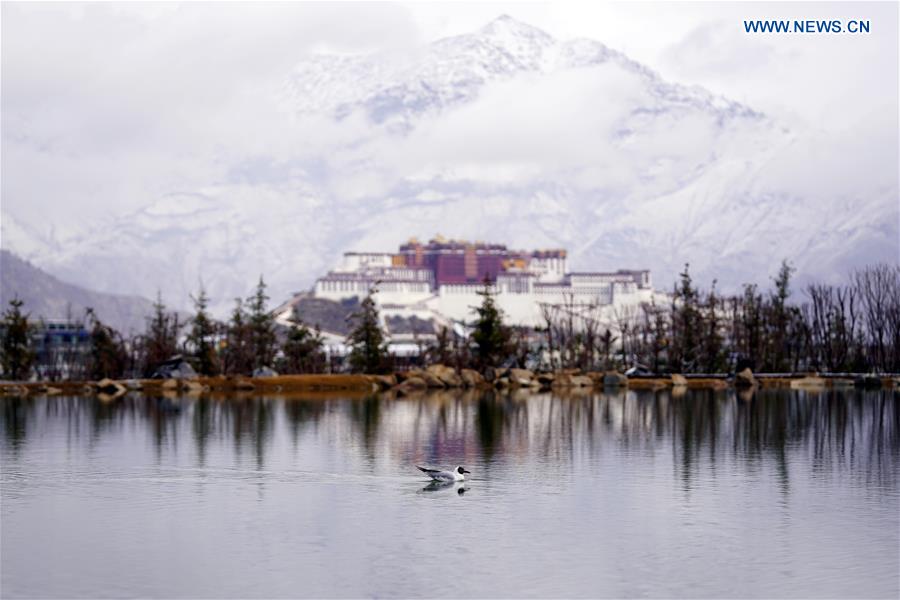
366, 416
838, 430
444, 486
702, 494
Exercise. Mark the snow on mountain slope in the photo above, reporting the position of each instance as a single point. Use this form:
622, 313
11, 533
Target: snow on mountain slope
504, 134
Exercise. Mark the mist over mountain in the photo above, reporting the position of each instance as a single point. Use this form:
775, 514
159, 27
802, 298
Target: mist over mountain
503, 134
46, 297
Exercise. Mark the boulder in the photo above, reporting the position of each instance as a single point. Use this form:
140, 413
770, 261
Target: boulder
415, 382
745, 379
447, 375
614, 379
521, 377
411, 384
596, 377
471, 378
545, 379
175, 368
678, 380
195, 388
404, 375
384, 382
110, 387
432, 380
502, 383
170, 384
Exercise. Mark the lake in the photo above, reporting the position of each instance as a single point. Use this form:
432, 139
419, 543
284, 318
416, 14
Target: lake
629, 494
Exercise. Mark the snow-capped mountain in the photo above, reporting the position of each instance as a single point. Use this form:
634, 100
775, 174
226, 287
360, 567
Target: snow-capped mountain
504, 134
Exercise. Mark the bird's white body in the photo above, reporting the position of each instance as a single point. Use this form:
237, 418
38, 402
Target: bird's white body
457, 474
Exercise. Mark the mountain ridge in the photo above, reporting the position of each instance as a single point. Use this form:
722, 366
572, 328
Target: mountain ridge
503, 134
47, 297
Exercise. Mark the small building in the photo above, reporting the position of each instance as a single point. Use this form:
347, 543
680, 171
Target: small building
62, 348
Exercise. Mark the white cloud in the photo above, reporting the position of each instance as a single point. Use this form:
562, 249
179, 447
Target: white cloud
104, 104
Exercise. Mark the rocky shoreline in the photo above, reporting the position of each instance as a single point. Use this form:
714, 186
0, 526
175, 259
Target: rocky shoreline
437, 377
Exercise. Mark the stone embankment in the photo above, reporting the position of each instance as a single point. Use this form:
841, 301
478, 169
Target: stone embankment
444, 377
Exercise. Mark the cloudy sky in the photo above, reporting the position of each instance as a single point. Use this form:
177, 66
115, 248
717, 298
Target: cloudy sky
103, 103
108, 108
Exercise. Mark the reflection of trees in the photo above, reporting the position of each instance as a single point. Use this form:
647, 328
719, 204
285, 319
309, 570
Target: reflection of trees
163, 414
850, 431
15, 421
366, 415
250, 419
300, 412
489, 419
202, 426
829, 433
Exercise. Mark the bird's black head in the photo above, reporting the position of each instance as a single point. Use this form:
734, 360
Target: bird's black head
460, 470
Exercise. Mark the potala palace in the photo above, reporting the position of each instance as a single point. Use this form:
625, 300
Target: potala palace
438, 282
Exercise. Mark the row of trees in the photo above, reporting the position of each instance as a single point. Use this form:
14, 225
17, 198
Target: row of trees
249, 341
853, 327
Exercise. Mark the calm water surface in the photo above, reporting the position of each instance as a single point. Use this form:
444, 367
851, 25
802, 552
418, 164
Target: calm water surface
787, 494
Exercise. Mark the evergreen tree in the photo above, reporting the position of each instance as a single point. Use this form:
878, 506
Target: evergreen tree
657, 333
779, 320
302, 349
751, 334
161, 339
490, 336
18, 355
713, 344
370, 349
108, 355
685, 324
238, 352
263, 342
201, 339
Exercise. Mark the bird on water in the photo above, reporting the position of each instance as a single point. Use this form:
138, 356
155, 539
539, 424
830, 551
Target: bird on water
457, 474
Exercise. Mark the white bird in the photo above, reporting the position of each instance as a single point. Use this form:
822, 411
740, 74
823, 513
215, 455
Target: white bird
457, 474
